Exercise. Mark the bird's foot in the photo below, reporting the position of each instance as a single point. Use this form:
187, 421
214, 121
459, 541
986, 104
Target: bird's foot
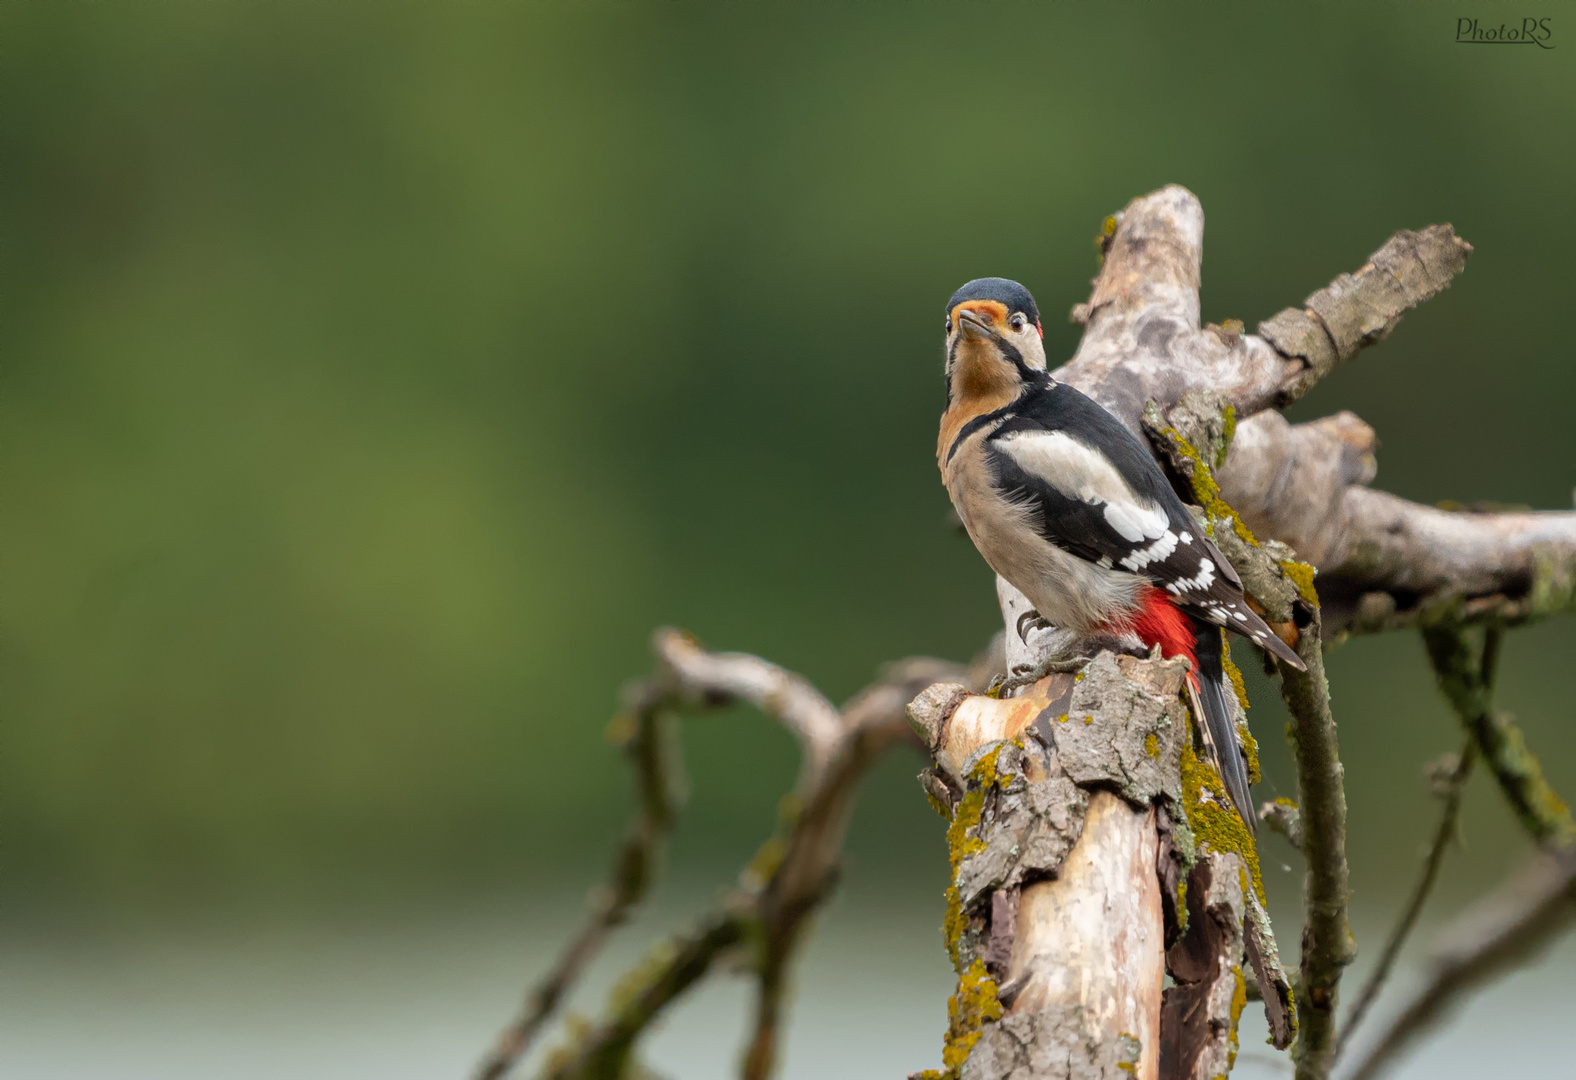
1002, 685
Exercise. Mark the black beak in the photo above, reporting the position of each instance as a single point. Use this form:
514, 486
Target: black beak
973, 324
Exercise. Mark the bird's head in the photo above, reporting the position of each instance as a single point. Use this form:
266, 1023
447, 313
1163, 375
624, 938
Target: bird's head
995, 345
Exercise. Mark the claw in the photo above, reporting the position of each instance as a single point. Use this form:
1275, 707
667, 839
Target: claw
1031, 620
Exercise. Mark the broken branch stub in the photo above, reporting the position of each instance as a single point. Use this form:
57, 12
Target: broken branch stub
1068, 839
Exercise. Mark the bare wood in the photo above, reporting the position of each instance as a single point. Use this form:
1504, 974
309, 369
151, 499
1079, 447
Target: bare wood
1094, 935
1056, 850
1383, 561
1386, 563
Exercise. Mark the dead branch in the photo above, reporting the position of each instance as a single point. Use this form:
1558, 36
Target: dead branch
784, 884
1467, 682
1327, 942
1383, 561
1142, 340
1454, 785
715, 678
1055, 920
645, 726
1497, 936
669, 970
1386, 563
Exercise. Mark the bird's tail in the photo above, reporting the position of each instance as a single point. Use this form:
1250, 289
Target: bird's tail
1220, 733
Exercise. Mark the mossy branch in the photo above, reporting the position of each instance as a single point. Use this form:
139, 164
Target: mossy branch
1327, 943
670, 969
1466, 680
645, 729
790, 877
1454, 785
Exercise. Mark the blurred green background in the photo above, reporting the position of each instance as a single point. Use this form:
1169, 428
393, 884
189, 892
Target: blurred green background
376, 376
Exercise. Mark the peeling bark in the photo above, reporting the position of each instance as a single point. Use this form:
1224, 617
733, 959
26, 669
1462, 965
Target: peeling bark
1199, 1036
1057, 881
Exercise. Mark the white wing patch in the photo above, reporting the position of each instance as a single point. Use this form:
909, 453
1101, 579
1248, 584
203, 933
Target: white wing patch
1199, 582
1086, 475
1158, 551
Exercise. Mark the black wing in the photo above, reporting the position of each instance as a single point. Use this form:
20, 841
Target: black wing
1096, 491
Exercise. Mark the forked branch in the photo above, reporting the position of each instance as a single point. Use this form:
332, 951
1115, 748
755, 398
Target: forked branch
787, 881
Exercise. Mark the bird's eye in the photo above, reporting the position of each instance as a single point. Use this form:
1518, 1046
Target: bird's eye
1017, 322
948, 328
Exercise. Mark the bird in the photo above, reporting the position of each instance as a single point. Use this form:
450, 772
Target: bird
1067, 505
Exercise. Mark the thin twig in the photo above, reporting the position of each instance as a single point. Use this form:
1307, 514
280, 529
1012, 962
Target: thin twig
1327, 945
1477, 688
1497, 937
1541, 812
784, 884
658, 786
671, 969
1444, 833
761, 1055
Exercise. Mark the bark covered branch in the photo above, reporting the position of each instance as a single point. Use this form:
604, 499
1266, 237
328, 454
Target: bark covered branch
1056, 921
1467, 681
790, 877
1327, 942
1383, 561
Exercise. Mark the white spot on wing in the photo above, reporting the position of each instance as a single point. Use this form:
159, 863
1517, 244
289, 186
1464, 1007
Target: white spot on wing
1199, 582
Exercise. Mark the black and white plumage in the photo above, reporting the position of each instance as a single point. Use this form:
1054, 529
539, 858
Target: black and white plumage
1072, 509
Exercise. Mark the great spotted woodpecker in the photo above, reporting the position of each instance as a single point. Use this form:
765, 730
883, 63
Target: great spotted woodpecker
1067, 505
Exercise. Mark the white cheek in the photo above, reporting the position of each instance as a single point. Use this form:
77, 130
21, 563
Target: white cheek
1033, 349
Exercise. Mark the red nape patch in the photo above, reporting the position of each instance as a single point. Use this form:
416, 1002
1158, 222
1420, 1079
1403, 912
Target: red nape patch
1161, 622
